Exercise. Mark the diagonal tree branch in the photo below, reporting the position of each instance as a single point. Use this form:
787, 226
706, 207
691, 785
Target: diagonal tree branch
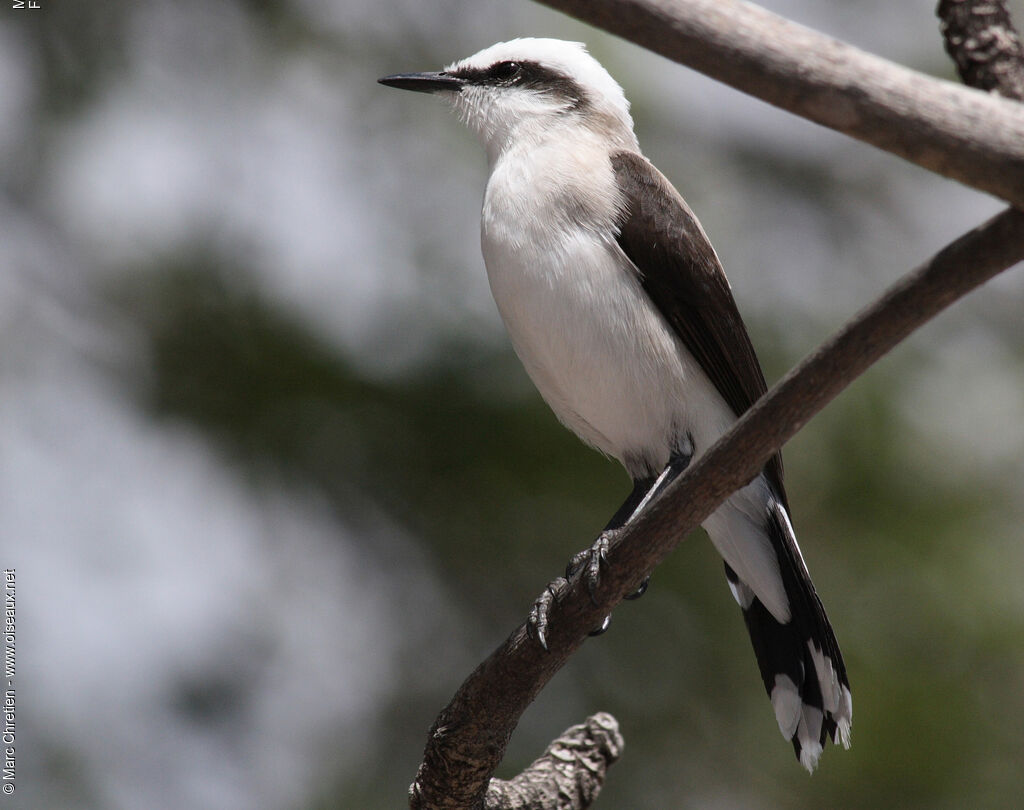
468, 739
957, 132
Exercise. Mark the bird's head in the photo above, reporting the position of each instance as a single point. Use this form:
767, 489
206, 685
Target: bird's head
520, 90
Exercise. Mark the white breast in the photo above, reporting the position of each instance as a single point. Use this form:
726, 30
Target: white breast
594, 345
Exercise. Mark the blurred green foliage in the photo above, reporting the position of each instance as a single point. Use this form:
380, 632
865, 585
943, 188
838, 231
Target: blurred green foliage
917, 558
500, 495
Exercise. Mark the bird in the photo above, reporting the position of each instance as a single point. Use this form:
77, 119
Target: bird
619, 309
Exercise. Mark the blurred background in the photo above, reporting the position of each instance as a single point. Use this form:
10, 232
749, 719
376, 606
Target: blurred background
273, 481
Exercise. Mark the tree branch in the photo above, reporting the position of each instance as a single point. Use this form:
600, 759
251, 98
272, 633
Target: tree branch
468, 739
981, 40
957, 132
568, 774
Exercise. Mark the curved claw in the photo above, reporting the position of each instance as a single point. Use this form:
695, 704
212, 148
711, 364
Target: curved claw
537, 625
537, 620
603, 628
639, 591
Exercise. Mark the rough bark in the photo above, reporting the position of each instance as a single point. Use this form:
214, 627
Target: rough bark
569, 774
981, 40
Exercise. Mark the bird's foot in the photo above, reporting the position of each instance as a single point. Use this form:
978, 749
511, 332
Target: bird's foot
537, 621
589, 561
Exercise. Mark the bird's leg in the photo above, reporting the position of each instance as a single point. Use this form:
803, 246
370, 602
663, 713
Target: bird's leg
645, 490
591, 559
677, 463
537, 622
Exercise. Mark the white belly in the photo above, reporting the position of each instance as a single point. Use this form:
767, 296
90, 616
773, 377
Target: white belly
599, 352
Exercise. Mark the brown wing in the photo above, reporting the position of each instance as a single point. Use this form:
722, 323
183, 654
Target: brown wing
679, 270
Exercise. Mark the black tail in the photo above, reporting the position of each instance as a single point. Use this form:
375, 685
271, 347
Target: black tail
800, 662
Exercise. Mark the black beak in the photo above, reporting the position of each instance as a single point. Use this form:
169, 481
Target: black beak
423, 82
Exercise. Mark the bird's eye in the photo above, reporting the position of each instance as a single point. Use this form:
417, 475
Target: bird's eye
505, 71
